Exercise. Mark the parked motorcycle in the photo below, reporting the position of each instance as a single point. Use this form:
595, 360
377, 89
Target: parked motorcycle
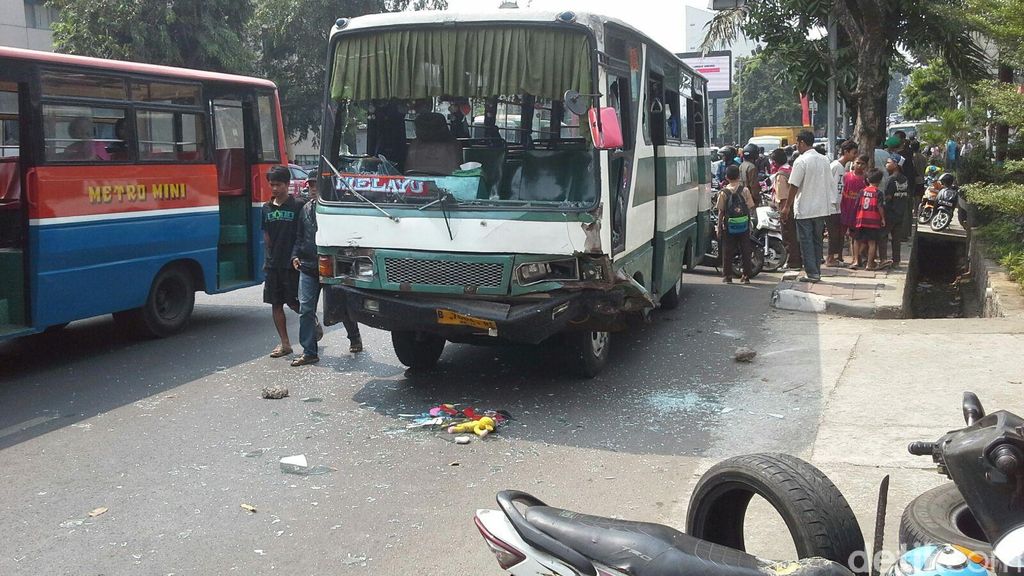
926, 209
945, 204
768, 236
714, 256
982, 509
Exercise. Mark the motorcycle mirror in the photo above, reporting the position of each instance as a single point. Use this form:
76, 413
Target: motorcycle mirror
574, 102
973, 410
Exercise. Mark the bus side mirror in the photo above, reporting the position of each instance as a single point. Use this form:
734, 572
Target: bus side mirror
605, 130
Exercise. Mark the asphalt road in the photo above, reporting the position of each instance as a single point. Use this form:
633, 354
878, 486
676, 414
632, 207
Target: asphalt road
172, 436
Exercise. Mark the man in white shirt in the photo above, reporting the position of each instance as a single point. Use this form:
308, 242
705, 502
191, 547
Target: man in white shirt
812, 190
836, 234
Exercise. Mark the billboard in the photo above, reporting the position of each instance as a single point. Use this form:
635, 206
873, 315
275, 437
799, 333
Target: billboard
716, 67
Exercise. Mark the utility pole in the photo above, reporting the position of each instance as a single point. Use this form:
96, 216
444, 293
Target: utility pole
830, 130
739, 115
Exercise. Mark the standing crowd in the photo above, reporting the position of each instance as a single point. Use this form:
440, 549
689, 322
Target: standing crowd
863, 201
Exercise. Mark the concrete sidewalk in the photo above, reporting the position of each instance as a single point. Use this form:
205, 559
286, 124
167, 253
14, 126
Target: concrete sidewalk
845, 292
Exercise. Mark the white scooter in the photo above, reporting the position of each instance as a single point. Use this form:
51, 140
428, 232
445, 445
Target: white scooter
768, 236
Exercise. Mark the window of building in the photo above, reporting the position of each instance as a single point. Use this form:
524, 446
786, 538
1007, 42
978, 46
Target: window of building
39, 15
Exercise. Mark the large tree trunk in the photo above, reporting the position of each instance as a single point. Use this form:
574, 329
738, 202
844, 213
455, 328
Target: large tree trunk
872, 90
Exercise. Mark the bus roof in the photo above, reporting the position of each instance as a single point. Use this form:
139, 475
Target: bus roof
511, 16
128, 67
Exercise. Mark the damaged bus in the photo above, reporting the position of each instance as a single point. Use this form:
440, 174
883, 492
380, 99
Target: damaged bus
515, 176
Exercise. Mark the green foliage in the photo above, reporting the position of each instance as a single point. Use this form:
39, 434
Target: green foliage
977, 166
189, 33
1005, 199
952, 125
1003, 100
928, 93
293, 49
1003, 239
765, 97
1001, 21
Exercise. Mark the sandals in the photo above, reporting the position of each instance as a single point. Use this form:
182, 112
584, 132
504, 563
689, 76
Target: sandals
280, 351
744, 280
356, 346
305, 359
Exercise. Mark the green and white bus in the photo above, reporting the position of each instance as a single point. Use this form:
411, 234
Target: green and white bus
524, 175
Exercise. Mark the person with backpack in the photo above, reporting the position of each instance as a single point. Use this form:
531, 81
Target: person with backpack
735, 205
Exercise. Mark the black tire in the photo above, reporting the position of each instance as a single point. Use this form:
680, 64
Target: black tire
940, 220
419, 350
925, 215
777, 255
670, 300
591, 351
940, 516
819, 519
691, 258
168, 307
962, 217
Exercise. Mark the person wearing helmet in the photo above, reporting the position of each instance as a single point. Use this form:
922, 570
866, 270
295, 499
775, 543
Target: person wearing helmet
748, 171
728, 154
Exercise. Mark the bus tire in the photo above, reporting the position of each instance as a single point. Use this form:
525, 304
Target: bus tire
817, 515
670, 300
691, 258
169, 304
591, 351
417, 350
940, 516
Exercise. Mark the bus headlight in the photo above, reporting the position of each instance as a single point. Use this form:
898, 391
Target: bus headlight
359, 268
550, 271
362, 269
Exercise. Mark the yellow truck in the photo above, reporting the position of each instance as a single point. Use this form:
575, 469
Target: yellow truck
785, 134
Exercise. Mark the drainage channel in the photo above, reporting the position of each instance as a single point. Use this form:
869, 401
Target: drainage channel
941, 287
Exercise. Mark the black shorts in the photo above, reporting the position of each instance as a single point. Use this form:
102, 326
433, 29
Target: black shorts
281, 286
869, 234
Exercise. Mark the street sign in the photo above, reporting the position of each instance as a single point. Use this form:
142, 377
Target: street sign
716, 67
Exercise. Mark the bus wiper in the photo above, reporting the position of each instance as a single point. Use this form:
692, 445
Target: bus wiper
443, 200
357, 194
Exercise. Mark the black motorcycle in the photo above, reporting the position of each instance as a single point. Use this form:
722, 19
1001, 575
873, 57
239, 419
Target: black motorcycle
945, 204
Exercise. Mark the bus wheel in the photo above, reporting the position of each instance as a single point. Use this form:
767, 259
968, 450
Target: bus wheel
691, 258
591, 351
169, 305
670, 300
419, 350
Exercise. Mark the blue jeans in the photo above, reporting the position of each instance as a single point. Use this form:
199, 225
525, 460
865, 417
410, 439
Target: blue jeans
811, 232
309, 298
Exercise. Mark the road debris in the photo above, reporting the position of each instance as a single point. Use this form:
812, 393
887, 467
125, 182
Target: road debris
744, 354
275, 392
248, 508
298, 465
98, 511
463, 439
459, 421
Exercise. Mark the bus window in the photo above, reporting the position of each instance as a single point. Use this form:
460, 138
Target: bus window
166, 93
83, 85
8, 120
76, 133
10, 173
170, 136
268, 134
674, 120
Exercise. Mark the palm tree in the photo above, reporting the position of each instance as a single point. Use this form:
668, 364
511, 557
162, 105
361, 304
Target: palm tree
872, 35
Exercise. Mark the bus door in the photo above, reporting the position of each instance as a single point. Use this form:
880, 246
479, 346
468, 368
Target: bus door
14, 317
235, 191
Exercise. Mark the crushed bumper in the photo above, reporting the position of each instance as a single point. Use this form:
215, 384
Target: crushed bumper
530, 321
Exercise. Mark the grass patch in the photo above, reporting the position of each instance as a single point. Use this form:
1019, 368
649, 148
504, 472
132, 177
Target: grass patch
1003, 238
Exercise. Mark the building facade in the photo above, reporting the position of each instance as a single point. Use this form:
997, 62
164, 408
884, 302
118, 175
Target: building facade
26, 24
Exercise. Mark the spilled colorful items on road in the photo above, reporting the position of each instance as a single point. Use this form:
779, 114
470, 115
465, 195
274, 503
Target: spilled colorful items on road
459, 421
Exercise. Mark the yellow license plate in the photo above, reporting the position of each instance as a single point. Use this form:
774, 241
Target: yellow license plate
456, 319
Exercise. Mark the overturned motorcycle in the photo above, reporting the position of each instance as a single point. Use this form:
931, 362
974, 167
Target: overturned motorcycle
985, 460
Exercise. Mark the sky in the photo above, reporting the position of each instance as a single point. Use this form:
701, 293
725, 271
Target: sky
663, 20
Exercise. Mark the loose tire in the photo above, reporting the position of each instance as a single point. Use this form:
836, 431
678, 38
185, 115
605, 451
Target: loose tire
591, 351
819, 519
418, 350
670, 300
940, 516
940, 220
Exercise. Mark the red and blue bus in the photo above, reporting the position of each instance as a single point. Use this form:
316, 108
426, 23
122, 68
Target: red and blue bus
125, 188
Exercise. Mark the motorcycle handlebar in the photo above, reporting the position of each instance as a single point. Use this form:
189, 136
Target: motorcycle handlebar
921, 448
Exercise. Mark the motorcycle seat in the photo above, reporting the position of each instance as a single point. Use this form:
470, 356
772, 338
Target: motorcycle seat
648, 549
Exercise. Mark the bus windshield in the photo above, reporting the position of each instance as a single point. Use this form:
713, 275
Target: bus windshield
473, 114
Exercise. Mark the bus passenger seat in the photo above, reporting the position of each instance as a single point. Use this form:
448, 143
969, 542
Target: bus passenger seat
492, 164
435, 150
230, 171
10, 203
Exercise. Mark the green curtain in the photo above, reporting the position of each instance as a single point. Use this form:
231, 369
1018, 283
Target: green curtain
473, 62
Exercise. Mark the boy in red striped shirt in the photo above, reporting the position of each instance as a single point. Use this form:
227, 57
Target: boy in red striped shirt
870, 220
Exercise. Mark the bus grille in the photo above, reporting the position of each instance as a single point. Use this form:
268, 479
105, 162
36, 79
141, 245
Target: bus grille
443, 272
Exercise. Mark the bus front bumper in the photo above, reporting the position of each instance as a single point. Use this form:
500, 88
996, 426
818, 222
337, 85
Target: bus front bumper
461, 319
